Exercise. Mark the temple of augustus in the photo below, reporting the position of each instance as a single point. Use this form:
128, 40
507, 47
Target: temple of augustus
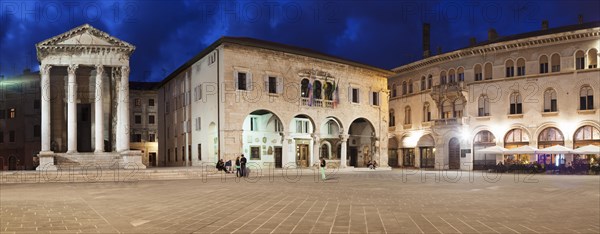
85, 101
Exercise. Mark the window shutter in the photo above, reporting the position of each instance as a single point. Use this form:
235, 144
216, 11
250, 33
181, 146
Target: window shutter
279, 85
235, 79
371, 99
350, 94
266, 83
249, 85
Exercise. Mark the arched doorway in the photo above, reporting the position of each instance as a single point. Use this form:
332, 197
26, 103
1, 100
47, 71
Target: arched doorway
482, 140
427, 150
392, 152
551, 136
12, 163
454, 154
303, 127
516, 138
330, 136
408, 151
361, 143
261, 134
586, 135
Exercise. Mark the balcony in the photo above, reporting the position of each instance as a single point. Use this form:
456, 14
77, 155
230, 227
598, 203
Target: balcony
449, 90
451, 121
316, 103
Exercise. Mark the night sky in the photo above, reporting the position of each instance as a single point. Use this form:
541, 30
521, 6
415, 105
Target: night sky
385, 34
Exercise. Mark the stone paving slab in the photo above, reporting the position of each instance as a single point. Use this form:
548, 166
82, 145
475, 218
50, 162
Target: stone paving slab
351, 202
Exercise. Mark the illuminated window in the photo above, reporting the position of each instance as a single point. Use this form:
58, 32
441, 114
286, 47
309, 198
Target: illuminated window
521, 67
593, 58
579, 60
586, 98
510, 68
550, 103
12, 113
516, 106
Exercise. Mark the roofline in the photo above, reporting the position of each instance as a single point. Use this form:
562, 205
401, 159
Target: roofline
257, 43
488, 46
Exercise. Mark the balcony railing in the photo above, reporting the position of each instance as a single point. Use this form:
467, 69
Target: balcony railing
316, 103
449, 87
451, 121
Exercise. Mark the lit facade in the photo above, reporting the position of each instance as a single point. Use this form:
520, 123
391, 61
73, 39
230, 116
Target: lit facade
539, 89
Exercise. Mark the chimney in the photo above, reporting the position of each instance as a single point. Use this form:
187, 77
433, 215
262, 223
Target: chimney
472, 41
426, 41
580, 19
439, 50
544, 24
492, 35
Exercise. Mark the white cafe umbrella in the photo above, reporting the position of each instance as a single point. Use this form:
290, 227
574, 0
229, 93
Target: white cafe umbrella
557, 149
526, 149
492, 150
588, 149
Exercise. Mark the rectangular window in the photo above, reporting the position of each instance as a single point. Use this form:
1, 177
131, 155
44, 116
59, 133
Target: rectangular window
241, 81
553, 106
198, 122
137, 137
138, 119
151, 102
255, 153
461, 76
138, 102
272, 84
151, 119
253, 124
151, 137
199, 152
36, 131
375, 99
355, 94
12, 114
11, 136
36, 104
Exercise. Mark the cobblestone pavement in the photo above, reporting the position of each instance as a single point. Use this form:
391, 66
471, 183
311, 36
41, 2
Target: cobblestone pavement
354, 202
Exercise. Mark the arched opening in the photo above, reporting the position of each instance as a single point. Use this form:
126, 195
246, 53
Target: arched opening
302, 127
510, 68
304, 88
361, 143
548, 137
550, 102
329, 91
404, 88
586, 135
592, 58
482, 140
407, 115
426, 146
516, 138
586, 98
458, 108
543, 64
423, 85
521, 67
452, 76
326, 150
410, 86
488, 71
429, 82
555, 62
407, 144
483, 108
330, 136
12, 163
443, 80
394, 90
478, 72
318, 88
393, 152
453, 154
261, 137
460, 72
579, 60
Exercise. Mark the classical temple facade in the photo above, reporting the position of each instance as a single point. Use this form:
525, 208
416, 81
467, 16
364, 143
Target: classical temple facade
85, 101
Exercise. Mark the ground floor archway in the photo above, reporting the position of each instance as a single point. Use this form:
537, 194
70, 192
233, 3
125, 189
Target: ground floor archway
454, 154
361, 143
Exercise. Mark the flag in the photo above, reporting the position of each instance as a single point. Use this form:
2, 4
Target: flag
310, 94
334, 94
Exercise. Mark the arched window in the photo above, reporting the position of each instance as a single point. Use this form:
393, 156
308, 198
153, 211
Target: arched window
451, 76
484, 106
410, 86
555, 62
329, 91
447, 109
521, 67
443, 78
543, 64
394, 90
482, 140
317, 90
423, 83
579, 60
429, 81
478, 72
593, 58
549, 137
426, 112
458, 108
515, 104
407, 114
404, 88
461, 74
392, 118
550, 104
510, 68
586, 98
488, 71
586, 135
304, 88
515, 138
325, 151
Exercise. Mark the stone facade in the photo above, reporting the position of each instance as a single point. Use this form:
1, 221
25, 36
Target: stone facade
143, 101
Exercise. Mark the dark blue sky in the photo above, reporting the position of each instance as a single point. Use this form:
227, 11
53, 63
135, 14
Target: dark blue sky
386, 34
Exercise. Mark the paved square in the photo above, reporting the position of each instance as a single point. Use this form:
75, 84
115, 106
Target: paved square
352, 202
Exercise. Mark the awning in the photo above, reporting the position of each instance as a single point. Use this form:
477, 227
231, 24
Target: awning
588, 149
525, 149
493, 150
557, 149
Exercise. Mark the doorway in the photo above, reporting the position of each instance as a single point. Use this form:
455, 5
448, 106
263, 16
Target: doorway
408, 157
278, 154
12, 163
302, 155
152, 159
454, 154
84, 128
353, 152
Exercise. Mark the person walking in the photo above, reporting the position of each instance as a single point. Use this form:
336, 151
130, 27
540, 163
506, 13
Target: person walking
323, 165
237, 167
243, 166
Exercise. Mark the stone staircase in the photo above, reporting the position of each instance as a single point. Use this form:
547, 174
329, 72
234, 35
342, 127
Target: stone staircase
87, 161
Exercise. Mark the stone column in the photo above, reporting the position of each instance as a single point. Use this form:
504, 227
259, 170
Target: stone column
344, 153
72, 109
122, 140
46, 98
99, 125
